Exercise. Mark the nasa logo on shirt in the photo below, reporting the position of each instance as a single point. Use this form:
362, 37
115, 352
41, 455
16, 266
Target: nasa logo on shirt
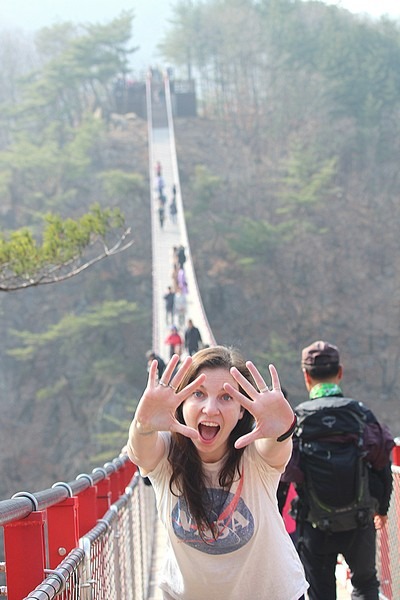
235, 524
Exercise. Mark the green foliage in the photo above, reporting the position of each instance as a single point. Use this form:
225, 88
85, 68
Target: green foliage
55, 389
114, 436
118, 184
75, 351
77, 153
21, 255
53, 41
255, 241
188, 25
239, 45
5, 180
32, 160
205, 185
308, 179
72, 331
82, 64
281, 354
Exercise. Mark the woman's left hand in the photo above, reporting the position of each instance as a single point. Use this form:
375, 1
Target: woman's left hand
272, 413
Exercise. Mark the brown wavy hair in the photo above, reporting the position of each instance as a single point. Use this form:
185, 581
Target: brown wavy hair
188, 477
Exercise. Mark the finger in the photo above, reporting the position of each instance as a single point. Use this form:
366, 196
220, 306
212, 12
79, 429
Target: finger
169, 369
189, 432
245, 440
258, 378
182, 371
153, 374
191, 387
276, 384
244, 400
243, 382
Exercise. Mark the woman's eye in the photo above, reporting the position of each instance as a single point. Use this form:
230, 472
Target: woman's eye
226, 397
198, 394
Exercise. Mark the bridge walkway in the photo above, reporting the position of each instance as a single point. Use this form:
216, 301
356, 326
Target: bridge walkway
164, 239
162, 149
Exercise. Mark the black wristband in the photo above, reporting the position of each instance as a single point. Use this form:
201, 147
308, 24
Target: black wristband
289, 432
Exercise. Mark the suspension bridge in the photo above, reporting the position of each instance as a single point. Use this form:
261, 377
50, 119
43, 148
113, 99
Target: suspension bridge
98, 537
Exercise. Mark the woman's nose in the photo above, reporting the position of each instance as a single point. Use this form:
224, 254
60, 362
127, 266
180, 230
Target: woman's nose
211, 406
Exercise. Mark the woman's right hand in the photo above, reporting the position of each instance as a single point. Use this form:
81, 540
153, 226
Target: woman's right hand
157, 407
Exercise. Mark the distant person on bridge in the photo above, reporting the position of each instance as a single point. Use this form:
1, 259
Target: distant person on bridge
180, 307
182, 281
160, 185
192, 338
174, 341
173, 210
151, 355
161, 213
181, 255
213, 440
169, 299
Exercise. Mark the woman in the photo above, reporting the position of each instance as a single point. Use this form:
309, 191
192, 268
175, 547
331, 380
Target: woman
213, 439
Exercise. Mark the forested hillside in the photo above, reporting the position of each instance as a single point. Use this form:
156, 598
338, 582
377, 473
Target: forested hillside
290, 183
292, 186
72, 354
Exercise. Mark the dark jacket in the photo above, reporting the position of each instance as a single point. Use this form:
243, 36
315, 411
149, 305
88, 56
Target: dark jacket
169, 301
192, 339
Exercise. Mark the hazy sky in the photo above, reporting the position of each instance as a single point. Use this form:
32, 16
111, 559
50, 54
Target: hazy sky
151, 17
148, 25
375, 8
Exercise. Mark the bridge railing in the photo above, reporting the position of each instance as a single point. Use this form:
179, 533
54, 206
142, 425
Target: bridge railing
91, 538
388, 539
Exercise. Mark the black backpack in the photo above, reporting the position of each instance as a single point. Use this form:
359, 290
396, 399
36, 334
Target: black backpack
335, 493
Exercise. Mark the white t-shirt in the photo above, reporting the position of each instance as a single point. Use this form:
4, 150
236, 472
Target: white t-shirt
253, 557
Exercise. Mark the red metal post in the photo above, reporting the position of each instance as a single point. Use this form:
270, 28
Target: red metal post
103, 497
87, 510
63, 534
115, 481
129, 471
396, 453
24, 548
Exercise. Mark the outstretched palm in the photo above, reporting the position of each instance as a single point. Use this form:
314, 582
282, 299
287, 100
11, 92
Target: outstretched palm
157, 407
271, 411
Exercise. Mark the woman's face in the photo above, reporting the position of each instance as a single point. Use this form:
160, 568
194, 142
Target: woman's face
213, 412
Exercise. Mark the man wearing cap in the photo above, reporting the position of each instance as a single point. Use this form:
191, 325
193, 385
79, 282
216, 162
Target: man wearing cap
318, 549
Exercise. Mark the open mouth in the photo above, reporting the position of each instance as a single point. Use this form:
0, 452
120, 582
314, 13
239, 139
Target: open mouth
208, 431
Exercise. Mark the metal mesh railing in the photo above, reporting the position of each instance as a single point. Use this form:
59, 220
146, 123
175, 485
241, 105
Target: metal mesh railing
388, 546
114, 558
64, 582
